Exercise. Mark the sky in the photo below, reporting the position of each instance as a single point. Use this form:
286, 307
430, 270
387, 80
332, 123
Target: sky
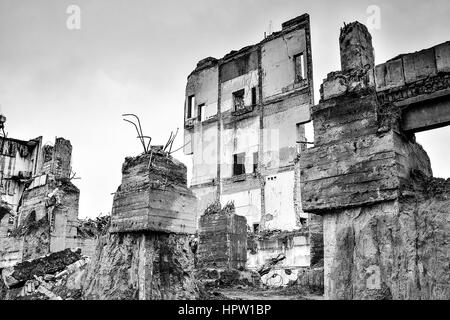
134, 57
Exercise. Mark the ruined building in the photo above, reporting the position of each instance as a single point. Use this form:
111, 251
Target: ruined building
39, 201
146, 253
244, 116
385, 219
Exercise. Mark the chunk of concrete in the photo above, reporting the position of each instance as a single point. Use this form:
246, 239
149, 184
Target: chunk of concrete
442, 52
333, 88
419, 65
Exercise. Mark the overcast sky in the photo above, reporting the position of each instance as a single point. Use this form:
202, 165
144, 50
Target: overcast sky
134, 56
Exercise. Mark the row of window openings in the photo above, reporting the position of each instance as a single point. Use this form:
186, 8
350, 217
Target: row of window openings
239, 158
238, 96
238, 103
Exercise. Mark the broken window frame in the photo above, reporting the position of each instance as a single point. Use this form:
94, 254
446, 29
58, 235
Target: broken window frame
238, 100
201, 112
190, 106
238, 168
254, 96
255, 162
299, 67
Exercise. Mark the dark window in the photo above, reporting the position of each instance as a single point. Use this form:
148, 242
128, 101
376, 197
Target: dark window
191, 100
256, 227
238, 164
253, 96
299, 62
238, 99
255, 161
200, 110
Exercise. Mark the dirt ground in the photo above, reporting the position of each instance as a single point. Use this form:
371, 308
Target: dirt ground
286, 293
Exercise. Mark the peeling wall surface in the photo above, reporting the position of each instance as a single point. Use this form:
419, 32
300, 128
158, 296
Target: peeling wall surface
263, 95
276, 60
384, 226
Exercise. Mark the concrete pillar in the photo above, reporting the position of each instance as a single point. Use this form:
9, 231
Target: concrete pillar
356, 47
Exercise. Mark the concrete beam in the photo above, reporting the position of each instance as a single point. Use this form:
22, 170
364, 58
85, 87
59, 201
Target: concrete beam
426, 115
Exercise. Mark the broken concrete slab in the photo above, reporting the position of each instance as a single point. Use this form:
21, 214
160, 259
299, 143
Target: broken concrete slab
154, 196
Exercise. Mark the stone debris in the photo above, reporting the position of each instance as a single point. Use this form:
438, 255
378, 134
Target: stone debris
266, 267
56, 276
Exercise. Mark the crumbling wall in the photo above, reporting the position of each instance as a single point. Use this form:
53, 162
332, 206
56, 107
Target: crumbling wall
141, 266
392, 250
154, 196
18, 161
146, 253
385, 233
57, 159
222, 238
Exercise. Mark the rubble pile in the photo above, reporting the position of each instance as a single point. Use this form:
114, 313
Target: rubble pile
57, 276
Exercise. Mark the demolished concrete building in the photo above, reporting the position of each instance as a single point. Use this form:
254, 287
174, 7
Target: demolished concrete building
244, 126
41, 201
385, 219
146, 253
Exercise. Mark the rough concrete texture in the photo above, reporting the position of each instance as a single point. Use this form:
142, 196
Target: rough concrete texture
141, 266
385, 231
356, 47
154, 196
311, 279
146, 255
394, 250
222, 238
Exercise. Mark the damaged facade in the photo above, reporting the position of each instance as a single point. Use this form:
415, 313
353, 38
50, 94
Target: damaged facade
244, 116
41, 201
385, 218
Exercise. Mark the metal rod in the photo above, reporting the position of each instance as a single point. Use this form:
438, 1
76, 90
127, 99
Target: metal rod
142, 141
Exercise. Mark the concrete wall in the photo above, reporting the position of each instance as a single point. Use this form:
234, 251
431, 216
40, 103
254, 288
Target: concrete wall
267, 127
205, 196
153, 196
281, 135
11, 251
384, 226
247, 204
279, 195
204, 86
222, 240
205, 155
242, 136
413, 67
246, 81
278, 63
